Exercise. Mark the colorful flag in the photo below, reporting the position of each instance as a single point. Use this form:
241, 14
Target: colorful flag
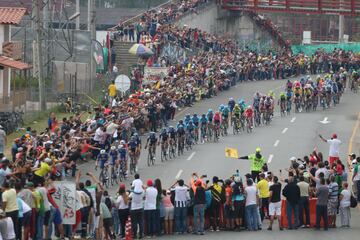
231, 153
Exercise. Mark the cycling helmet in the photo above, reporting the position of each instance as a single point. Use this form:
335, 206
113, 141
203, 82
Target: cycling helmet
136, 134
164, 130
113, 148
181, 122
152, 133
210, 110
203, 115
122, 142
195, 115
120, 146
187, 116
133, 138
190, 122
231, 99
102, 151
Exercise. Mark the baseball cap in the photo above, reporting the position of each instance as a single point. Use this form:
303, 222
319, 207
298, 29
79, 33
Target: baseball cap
122, 186
334, 135
353, 155
149, 182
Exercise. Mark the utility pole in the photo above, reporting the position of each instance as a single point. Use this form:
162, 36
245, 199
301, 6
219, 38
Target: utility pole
38, 57
341, 23
77, 25
92, 29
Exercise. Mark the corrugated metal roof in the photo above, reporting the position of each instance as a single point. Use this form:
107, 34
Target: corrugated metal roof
11, 63
11, 15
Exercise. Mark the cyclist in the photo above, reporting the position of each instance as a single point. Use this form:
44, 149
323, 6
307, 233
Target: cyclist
138, 144
195, 119
231, 105
282, 102
113, 159
123, 157
307, 93
289, 85
210, 115
172, 136
152, 141
237, 114
217, 120
133, 148
180, 130
225, 116
288, 100
180, 123
203, 127
249, 113
101, 160
164, 140
190, 127
187, 119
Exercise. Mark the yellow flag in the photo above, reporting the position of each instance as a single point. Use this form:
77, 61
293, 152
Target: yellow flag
231, 153
158, 85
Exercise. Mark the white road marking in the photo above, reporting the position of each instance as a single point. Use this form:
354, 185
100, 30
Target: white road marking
325, 121
191, 156
276, 143
178, 174
271, 156
284, 131
293, 119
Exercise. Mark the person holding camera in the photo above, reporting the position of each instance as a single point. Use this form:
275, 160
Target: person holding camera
181, 201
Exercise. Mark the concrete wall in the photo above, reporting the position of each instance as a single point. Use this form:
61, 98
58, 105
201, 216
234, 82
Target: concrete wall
215, 20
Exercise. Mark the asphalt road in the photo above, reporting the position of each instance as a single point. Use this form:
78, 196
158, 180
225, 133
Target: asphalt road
294, 135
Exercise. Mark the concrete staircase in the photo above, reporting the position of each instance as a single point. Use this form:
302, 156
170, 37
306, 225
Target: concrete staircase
124, 59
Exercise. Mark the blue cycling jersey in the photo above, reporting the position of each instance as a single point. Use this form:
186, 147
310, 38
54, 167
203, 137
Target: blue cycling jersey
231, 104
190, 127
132, 144
210, 116
187, 120
203, 120
113, 154
195, 119
122, 153
102, 158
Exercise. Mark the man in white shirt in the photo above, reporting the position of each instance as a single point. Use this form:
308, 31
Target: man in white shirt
181, 201
334, 148
251, 205
7, 231
137, 212
150, 209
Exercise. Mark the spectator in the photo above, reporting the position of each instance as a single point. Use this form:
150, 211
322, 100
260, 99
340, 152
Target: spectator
169, 212
7, 229
199, 208
334, 148
150, 209
123, 205
238, 199
333, 201
2, 139
180, 203
356, 178
10, 207
322, 194
304, 203
292, 194
218, 196
136, 208
275, 203
263, 187
345, 206
251, 205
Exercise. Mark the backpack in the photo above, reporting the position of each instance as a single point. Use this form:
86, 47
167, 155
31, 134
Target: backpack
353, 201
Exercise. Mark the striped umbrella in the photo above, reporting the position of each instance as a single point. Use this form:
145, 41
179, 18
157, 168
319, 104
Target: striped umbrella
140, 50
